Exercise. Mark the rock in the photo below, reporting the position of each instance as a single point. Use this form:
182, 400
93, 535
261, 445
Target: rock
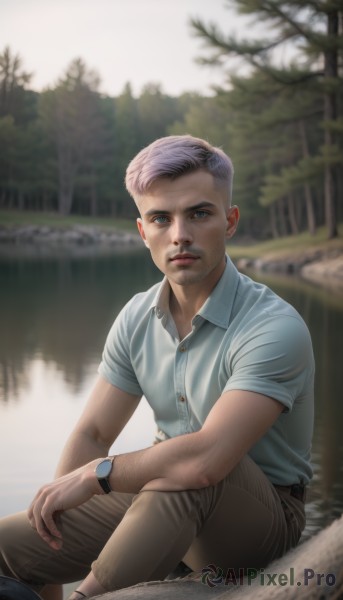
77, 235
244, 263
325, 268
327, 272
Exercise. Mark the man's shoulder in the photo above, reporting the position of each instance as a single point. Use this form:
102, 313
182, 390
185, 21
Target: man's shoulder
259, 299
133, 313
260, 311
142, 302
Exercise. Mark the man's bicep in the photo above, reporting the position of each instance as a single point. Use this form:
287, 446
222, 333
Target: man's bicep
235, 423
107, 411
276, 361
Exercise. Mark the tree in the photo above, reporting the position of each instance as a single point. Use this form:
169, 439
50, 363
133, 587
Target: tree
288, 123
71, 116
13, 81
228, 120
127, 144
205, 118
313, 28
17, 112
8, 140
156, 112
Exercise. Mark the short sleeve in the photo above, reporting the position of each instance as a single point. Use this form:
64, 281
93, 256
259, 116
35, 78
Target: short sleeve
274, 357
116, 366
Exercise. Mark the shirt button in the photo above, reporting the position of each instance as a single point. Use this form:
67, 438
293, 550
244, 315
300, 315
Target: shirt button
182, 398
183, 348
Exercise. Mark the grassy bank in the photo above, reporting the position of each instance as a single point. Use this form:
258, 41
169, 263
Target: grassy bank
283, 246
16, 218
288, 246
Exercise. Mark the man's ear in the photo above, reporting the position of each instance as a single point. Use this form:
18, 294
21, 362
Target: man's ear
141, 231
232, 217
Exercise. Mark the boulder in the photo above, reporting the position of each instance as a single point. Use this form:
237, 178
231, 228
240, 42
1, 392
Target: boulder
327, 272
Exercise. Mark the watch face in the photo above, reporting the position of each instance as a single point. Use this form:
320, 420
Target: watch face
104, 468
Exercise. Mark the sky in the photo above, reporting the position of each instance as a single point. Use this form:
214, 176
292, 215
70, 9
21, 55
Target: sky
136, 41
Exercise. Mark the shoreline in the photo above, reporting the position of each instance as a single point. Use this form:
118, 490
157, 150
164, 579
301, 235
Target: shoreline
320, 264
74, 234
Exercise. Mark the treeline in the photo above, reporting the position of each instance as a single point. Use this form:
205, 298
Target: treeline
290, 111
67, 148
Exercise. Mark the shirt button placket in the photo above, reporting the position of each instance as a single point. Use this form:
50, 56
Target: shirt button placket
180, 375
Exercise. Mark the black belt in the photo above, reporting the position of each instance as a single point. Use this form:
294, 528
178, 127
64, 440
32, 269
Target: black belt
297, 490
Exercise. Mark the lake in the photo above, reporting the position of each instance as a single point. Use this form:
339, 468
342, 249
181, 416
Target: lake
56, 309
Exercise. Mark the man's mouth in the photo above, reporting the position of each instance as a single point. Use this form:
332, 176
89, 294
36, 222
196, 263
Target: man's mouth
183, 258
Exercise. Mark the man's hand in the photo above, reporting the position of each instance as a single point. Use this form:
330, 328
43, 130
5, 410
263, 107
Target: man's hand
64, 493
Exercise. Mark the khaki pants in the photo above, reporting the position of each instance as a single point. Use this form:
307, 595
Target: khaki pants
125, 539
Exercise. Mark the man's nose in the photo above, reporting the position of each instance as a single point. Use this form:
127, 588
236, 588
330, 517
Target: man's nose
181, 232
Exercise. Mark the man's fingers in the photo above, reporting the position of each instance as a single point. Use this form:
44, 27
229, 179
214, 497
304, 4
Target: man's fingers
52, 537
47, 514
62, 494
41, 517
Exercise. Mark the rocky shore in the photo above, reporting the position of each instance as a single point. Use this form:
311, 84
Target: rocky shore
78, 234
321, 266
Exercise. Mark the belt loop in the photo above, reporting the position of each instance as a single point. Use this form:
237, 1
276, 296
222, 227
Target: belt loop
296, 490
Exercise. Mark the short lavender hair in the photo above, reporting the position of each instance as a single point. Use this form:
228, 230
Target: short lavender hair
173, 156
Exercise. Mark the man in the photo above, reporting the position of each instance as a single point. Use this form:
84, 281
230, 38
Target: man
227, 367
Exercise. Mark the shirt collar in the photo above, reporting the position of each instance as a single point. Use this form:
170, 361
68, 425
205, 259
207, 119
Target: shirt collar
161, 299
218, 306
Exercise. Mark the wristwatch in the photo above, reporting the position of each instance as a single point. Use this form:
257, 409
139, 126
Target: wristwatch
103, 471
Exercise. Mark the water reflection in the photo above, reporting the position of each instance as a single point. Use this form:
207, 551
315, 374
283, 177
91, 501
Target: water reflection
55, 314
62, 308
323, 312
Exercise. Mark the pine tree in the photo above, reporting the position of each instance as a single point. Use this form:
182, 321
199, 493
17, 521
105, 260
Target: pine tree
313, 28
71, 116
13, 81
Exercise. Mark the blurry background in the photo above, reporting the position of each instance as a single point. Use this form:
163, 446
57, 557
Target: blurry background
84, 85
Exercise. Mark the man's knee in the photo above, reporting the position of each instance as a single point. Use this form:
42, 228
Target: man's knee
19, 548
8, 537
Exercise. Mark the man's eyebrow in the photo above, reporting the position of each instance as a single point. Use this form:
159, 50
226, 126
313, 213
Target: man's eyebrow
155, 211
199, 206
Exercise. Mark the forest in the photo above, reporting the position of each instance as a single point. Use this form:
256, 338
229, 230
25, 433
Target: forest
65, 149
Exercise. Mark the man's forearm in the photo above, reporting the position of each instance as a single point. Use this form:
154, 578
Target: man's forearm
189, 461
173, 465
80, 449
202, 458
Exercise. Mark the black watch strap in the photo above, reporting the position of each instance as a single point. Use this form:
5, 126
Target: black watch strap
103, 471
105, 485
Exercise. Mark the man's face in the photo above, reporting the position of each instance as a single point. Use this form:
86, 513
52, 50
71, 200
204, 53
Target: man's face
185, 224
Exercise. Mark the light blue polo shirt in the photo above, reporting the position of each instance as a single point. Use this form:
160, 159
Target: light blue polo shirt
244, 337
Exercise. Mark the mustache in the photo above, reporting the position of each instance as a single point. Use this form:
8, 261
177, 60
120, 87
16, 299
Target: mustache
183, 252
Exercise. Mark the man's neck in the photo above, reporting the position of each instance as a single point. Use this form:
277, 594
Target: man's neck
185, 302
183, 312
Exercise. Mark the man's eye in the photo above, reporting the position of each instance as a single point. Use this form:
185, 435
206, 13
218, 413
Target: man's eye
200, 214
160, 219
